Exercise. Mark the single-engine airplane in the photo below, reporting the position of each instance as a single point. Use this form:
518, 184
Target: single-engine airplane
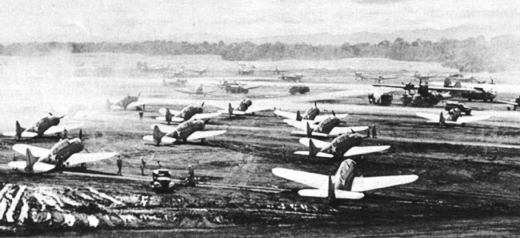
379, 78
196, 91
454, 118
329, 127
45, 127
187, 113
245, 108
191, 130
64, 154
344, 185
515, 103
311, 115
292, 77
346, 145
126, 102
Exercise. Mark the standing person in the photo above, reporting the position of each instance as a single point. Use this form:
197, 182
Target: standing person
191, 176
143, 165
64, 135
374, 131
283, 151
119, 165
159, 164
141, 113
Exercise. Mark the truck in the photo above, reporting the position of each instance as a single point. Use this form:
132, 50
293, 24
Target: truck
299, 89
162, 181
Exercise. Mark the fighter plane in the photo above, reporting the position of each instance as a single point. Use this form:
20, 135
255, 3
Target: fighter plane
126, 102
292, 77
197, 91
454, 118
379, 78
187, 113
344, 185
239, 89
191, 130
311, 115
346, 145
65, 153
245, 108
45, 127
328, 128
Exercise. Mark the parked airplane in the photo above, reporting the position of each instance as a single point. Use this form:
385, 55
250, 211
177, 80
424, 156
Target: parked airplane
292, 77
379, 78
311, 115
197, 91
126, 102
223, 84
239, 89
46, 126
187, 113
250, 71
346, 145
65, 153
245, 108
344, 185
515, 103
329, 127
454, 118
191, 130
199, 71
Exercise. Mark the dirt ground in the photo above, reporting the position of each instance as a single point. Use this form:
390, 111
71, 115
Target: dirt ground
467, 185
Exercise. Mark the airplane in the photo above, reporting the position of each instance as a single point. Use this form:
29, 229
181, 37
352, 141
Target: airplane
126, 102
191, 130
515, 103
65, 153
345, 145
423, 77
45, 127
384, 99
238, 89
292, 77
187, 113
311, 115
200, 72
225, 83
244, 108
328, 128
454, 118
246, 71
197, 91
143, 67
379, 78
344, 185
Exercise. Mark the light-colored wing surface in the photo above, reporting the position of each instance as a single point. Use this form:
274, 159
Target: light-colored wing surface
321, 193
317, 143
314, 134
38, 167
428, 116
202, 116
253, 87
468, 119
59, 129
24, 134
135, 104
77, 158
204, 134
320, 118
309, 179
361, 150
362, 184
163, 111
319, 154
289, 115
235, 112
507, 102
163, 128
174, 119
345, 130
36, 151
258, 109
302, 125
184, 91
164, 139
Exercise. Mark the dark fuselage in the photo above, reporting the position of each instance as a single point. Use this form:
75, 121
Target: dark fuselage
343, 143
327, 125
311, 113
43, 124
185, 129
345, 175
62, 150
126, 101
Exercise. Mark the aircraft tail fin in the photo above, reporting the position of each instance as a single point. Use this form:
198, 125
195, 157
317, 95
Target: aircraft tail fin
80, 136
298, 116
19, 131
157, 135
230, 110
30, 160
168, 116
442, 120
331, 194
308, 130
313, 151
202, 105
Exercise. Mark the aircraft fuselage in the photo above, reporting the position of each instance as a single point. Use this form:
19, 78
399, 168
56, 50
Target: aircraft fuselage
343, 143
43, 124
345, 175
311, 113
327, 125
188, 112
127, 100
185, 129
62, 151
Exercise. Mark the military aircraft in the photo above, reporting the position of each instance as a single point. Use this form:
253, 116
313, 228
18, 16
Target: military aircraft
239, 89
197, 91
45, 127
126, 102
515, 103
292, 77
223, 84
346, 145
143, 67
246, 71
311, 115
379, 78
187, 113
199, 71
65, 153
344, 185
454, 118
191, 130
328, 128
244, 108
384, 99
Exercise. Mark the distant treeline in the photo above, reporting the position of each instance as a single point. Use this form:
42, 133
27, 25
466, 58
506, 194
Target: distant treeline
470, 55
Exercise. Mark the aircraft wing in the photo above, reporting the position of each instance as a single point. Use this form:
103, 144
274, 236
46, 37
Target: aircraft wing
320, 118
164, 139
203, 116
36, 151
38, 167
24, 134
317, 143
184, 91
361, 184
299, 124
77, 158
322, 193
59, 129
345, 130
253, 87
428, 116
319, 154
507, 102
204, 134
258, 109
309, 179
285, 114
468, 119
135, 104
174, 119
208, 92
163, 111
451, 89
163, 128
390, 85
361, 150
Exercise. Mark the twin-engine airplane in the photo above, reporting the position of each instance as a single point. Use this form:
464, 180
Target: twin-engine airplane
191, 130
454, 118
45, 127
197, 91
126, 102
65, 153
245, 108
329, 127
187, 113
344, 185
311, 115
346, 145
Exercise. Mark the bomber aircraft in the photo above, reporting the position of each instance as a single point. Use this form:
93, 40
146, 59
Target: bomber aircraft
65, 153
311, 115
187, 113
454, 118
45, 127
329, 127
346, 145
197, 91
191, 130
245, 108
344, 185
126, 102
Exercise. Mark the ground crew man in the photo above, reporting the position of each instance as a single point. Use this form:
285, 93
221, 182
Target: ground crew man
119, 165
143, 164
141, 113
283, 151
159, 164
191, 176
374, 131
64, 135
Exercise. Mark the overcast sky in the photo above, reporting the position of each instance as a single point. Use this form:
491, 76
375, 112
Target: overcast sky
134, 20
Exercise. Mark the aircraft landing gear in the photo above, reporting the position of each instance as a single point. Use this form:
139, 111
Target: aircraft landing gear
83, 166
203, 140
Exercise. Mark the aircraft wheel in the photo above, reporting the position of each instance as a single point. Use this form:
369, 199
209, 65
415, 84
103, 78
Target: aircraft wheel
84, 166
202, 141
